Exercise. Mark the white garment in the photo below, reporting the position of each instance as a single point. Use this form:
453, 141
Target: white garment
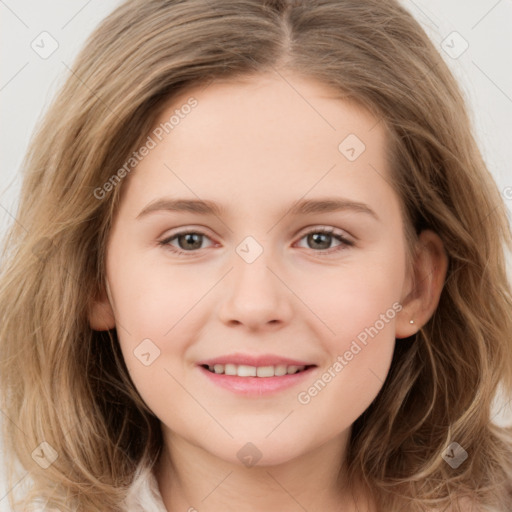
144, 495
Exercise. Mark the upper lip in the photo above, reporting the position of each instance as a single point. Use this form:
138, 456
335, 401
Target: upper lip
253, 360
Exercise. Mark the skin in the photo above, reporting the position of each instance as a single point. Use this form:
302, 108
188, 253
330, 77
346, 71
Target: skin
254, 147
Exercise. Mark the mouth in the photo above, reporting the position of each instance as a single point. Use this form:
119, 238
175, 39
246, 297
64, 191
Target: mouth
243, 370
256, 375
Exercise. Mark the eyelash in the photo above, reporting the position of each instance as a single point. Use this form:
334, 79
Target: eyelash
345, 243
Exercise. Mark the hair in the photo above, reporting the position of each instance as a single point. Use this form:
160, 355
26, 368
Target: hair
67, 385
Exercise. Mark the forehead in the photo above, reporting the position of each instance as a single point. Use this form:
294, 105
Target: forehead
267, 136
279, 106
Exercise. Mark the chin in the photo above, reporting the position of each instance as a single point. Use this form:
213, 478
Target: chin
258, 451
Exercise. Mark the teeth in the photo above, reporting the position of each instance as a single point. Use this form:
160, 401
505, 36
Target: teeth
230, 369
280, 370
265, 371
244, 370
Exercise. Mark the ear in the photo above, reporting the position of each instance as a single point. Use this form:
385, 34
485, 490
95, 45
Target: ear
424, 284
101, 314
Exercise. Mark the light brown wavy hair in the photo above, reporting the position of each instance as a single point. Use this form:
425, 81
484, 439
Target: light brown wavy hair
67, 385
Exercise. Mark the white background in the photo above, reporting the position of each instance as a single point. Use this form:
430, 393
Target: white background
28, 82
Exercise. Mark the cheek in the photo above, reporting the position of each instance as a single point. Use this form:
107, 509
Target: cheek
150, 308
159, 311
154, 333
364, 322
362, 315
351, 299
150, 300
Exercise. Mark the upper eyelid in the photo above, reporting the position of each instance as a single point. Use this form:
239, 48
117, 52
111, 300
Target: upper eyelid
185, 231
312, 229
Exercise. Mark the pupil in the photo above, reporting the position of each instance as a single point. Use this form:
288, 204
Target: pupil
189, 238
317, 238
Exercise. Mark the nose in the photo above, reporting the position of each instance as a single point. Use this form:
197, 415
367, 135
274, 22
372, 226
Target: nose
255, 295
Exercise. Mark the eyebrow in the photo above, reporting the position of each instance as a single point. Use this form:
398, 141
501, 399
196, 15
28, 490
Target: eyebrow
300, 207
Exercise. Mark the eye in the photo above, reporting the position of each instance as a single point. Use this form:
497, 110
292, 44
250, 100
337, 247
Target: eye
188, 241
321, 239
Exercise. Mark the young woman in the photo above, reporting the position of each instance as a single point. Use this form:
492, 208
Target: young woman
258, 264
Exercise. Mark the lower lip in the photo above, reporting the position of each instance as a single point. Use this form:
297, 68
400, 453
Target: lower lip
256, 386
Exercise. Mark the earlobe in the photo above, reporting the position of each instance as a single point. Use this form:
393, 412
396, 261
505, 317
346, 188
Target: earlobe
426, 285
101, 314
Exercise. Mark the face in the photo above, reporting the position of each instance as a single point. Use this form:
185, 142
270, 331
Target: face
294, 262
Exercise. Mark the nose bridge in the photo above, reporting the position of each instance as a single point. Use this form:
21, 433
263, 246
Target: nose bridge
251, 269
255, 295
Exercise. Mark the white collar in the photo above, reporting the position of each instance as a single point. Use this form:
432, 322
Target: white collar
144, 495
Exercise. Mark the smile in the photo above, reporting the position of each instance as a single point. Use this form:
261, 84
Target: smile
243, 370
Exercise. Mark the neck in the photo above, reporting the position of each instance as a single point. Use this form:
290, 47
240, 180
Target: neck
191, 479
